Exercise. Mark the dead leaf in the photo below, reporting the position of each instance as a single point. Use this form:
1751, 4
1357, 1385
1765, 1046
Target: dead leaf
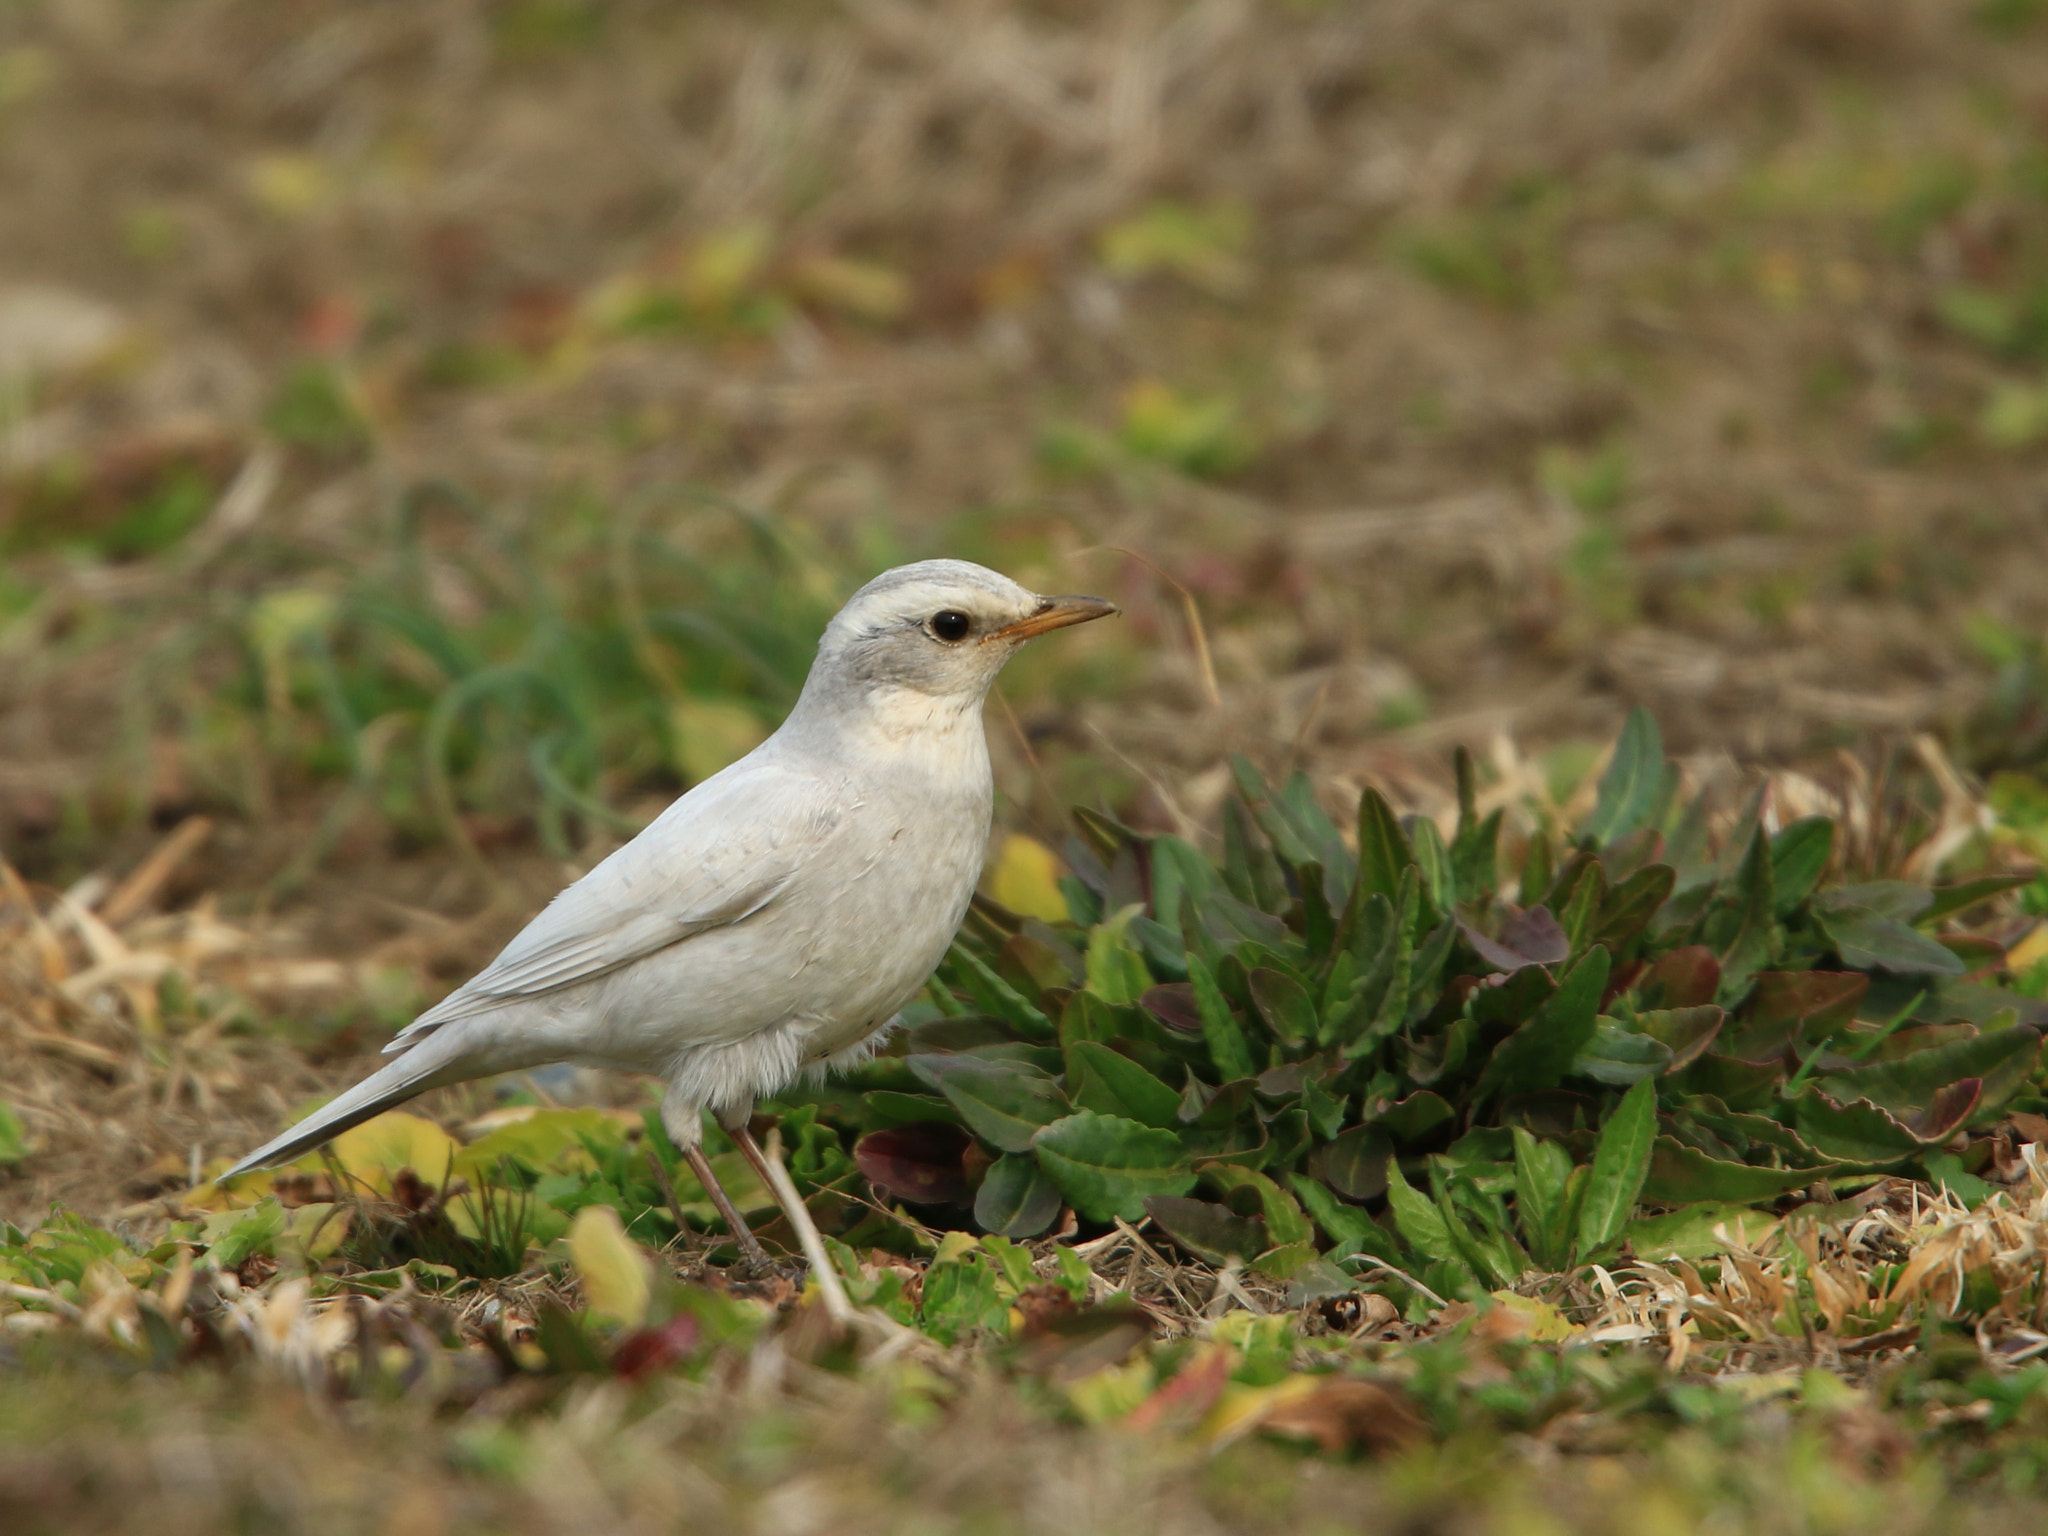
1192, 1392
1341, 1412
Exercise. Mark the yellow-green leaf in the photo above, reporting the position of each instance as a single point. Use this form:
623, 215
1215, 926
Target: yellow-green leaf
375, 1150
616, 1282
1026, 879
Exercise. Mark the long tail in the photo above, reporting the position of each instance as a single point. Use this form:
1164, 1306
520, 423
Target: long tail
437, 1060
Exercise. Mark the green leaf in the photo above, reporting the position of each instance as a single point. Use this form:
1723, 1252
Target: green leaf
1541, 1052
1422, 1226
995, 995
1752, 938
1902, 899
1293, 849
1355, 1164
1621, 1162
1433, 859
1285, 1222
1950, 899
1227, 1048
1004, 1103
1100, 1079
252, 1231
1324, 1107
1345, 1224
1116, 972
885, 1107
1088, 1017
1632, 790
1477, 1223
1388, 981
1689, 1233
1409, 1120
1249, 868
1687, 1031
1861, 1132
1297, 801
1543, 1171
1869, 940
1620, 1056
1629, 906
1383, 851
1208, 1230
1106, 1165
1680, 1174
960, 1296
1475, 845
1580, 893
1016, 1199
2002, 1058
1799, 853
1284, 1004
13, 1139
1945, 1171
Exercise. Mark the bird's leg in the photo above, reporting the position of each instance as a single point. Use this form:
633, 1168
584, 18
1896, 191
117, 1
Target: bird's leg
750, 1245
684, 1122
667, 1186
812, 1241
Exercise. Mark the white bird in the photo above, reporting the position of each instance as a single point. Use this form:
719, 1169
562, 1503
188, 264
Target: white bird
775, 918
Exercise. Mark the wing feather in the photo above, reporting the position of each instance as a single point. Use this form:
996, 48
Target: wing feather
719, 855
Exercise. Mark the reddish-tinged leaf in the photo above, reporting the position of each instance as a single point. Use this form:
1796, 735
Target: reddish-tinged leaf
1530, 937
1901, 1043
2003, 1058
1856, 1133
1685, 978
1688, 1031
1069, 1345
1980, 956
921, 1163
1191, 1393
1860, 1131
1767, 1042
1947, 1110
1534, 932
647, 1350
1412, 1118
1172, 1003
1821, 1000
1738, 1084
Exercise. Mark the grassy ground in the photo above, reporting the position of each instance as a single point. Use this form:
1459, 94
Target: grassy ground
431, 435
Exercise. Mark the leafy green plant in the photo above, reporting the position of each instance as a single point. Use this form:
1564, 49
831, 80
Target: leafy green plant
1379, 1052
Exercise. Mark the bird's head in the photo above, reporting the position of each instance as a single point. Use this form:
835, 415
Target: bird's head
941, 629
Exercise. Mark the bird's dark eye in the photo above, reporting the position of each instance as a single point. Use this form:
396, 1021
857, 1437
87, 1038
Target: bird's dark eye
951, 624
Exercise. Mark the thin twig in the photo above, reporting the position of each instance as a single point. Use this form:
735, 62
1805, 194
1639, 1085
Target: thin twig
837, 1306
1381, 1266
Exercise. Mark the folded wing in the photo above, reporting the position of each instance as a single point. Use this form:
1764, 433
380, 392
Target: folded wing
721, 854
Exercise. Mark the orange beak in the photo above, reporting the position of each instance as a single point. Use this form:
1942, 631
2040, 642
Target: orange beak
1054, 613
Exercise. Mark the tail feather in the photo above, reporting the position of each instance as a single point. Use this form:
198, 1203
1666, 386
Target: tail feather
430, 1064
